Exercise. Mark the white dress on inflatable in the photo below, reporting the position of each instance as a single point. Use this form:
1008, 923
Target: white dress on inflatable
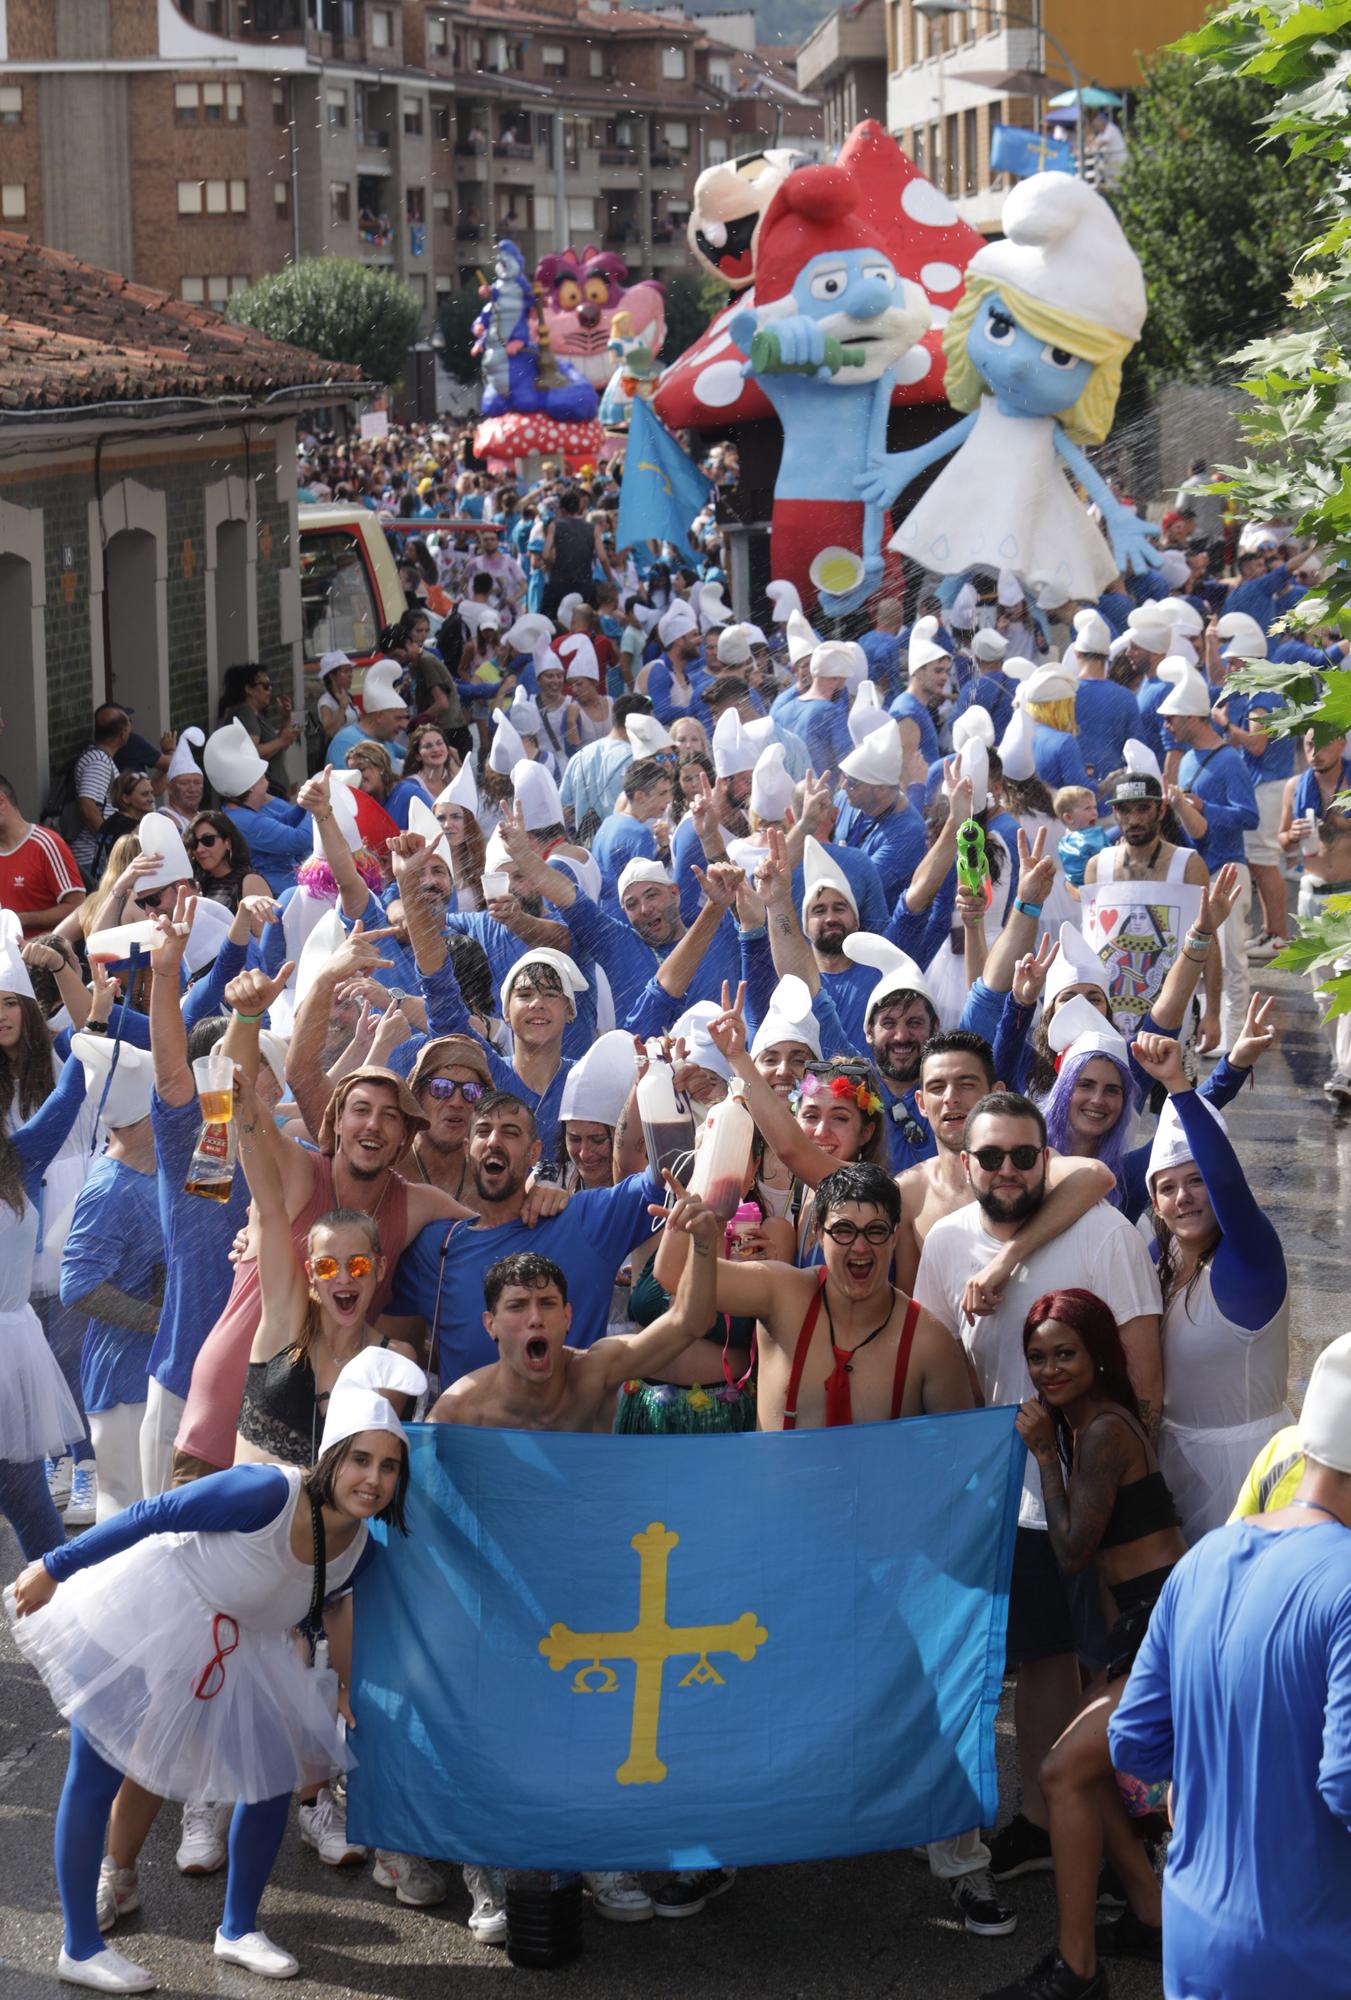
1004, 501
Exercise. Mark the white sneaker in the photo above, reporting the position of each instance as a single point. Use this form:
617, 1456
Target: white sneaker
488, 1918
59, 1474
107, 1972
118, 1894
84, 1496
202, 1849
256, 1952
620, 1897
410, 1878
323, 1826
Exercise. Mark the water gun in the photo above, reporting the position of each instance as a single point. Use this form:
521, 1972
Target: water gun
973, 867
765, 356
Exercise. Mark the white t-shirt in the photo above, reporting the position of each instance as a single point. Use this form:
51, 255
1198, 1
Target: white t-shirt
1099, 1253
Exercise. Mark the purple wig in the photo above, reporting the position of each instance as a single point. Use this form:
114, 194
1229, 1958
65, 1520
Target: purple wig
1056, 1111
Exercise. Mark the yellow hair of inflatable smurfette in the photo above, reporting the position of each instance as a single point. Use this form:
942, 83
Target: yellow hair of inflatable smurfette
1089, 421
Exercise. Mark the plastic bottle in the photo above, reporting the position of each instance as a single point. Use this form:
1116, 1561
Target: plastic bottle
668, 1128
326, 1677
544, 1918
724, 1157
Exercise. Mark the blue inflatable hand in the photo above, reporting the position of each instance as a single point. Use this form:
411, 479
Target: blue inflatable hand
1133, 540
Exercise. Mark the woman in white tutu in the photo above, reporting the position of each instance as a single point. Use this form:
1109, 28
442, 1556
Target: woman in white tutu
164, 1637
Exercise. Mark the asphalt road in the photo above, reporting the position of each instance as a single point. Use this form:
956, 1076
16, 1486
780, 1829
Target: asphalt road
874, 1926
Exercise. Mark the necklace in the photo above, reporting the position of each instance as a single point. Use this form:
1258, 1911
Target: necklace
839, 1403
427, 1180
1314, 1508
1143, 873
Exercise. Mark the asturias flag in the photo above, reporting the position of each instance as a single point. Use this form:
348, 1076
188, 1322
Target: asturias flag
662, 490
1014, 150
649, 1653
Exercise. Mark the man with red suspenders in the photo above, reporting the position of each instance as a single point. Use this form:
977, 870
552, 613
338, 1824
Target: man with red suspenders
839, 1344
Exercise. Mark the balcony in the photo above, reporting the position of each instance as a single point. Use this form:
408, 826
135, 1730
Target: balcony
512, 149
618, 156
373, 140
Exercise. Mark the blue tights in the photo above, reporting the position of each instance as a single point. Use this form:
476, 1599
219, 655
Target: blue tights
27, 1505
81, 1822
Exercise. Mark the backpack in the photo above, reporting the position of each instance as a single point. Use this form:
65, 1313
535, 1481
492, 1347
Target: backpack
62, 810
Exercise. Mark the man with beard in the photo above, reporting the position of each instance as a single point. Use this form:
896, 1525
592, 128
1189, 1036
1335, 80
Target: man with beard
438, 1285
829, 916
1124, 903
449, 1079
1005, 1158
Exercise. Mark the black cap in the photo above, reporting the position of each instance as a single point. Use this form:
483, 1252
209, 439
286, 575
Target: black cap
1133, 785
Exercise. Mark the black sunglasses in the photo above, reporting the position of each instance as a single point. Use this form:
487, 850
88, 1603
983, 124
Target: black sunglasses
991, 1158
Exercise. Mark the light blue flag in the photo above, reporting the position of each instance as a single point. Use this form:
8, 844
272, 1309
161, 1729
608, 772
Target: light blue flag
670, 1652
662, 490
1014, 150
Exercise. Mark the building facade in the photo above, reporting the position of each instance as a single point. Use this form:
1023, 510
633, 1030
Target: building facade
220, 139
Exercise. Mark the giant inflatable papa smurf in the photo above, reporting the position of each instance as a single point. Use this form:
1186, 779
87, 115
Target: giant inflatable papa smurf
580, 297
832, 321
1034, 351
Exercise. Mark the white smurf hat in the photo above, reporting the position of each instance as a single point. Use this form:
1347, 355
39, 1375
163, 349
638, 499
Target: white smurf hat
790, 1018
1243, 628
832, 661
676, 622
14, 975
1051, 596
531, 630
272, 1048
700, 1048
342, 792
988, 644
973, 762
183, 764
524, 714
1189, 694
1092, 633
1173, 567
327, 937
733, 751
1171, 1145
161, 841
784, 598
210, 922
1184, 618
1049, 684
802, 641
359, 1399
819, 873
126, 1071
647, 735
734, 646
712, 610
231, 761
771, 786
900, 973
1064, 247
877, 759
1015, 749
1079, 1029
866, 712
962, 610
378, 692
566, 606
1140, 759
597, 1087
1008, 590
973, 725
569, 972
536, 794
1325, 1420
462, 791
1076, 964
642, 868
421, 819
579, 656
1150, 628
506, 750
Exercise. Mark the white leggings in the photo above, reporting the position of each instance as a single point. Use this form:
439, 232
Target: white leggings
117, 1456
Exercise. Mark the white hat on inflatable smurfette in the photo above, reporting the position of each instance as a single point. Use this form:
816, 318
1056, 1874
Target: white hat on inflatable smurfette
1325, 1419
231, 761
820, 873
579, 655
802, 641
124, 1071
14, 974
506, 749
771, 786
877, 758
1092, 633
421, 819
1063, 246
789, 1018
866, 712
571, 976
597, 1087
462, 791
973, 762
1189, 694
1079, 1029
359, 1399
784, 598
536, 794
988, 644
183, 764
900, 973
1015, 747
1075, 964
1172, 1147
647, 735
734, 646
162, 842
733, 751
1009, 590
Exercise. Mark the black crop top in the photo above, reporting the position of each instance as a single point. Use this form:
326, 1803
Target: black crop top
281, 1412
1144, 1507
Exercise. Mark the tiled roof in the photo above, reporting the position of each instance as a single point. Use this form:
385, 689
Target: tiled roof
72, 334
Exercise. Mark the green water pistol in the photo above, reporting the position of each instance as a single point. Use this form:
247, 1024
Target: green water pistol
765, 358
973, 869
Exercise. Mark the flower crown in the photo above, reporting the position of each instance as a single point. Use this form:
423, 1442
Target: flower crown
841, 1087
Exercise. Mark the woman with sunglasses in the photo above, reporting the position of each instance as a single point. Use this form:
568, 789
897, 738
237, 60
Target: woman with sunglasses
221, 863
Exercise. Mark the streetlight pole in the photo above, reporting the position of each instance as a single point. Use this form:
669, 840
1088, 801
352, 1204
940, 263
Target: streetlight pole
936, 10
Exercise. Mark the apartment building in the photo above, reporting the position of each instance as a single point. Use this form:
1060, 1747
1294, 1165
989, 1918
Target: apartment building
220, 139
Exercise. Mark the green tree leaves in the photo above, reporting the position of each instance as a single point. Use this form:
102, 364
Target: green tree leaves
338, 308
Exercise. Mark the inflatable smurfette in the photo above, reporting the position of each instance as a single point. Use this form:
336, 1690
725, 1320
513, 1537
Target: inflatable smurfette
1034, 352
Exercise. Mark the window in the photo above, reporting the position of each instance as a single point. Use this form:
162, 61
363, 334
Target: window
595, 61
555, 58
336, 602
673, 65
581, 212
339, 202
193, 291
337, 111
443, 287
382, 28
415, 204
720, 73
185, 103
476, 52
441, 203
190, 197
544, 213
417, 283
544, 128
281, 200
717, 152
217, 198
412, 117
209, 103
279, 104
14, 201
438, 34
217, 290
676, 135
11, 104
441, 122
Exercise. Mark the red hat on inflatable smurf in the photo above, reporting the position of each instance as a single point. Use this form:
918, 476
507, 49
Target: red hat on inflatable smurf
817, 210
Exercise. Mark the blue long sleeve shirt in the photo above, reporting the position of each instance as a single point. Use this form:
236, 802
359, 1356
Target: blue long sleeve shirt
279, 838
894, 843
115, 1238
1105, 714
40, 1138
1228, 798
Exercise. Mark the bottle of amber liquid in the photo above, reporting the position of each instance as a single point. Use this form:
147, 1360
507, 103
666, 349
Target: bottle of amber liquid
211, 1171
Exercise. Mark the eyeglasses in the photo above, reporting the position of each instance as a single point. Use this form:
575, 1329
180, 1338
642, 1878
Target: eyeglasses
447, 1087
991, 1158
329, 1267
845, 1233
203, 840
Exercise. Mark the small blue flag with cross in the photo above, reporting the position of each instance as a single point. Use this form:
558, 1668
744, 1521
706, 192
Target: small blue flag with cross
662, 489
1014, 150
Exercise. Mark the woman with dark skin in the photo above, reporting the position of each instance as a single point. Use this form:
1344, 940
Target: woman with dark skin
1107, 1504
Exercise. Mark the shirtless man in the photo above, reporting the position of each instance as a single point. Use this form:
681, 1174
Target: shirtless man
956, 1070
1322, 840
878, 1356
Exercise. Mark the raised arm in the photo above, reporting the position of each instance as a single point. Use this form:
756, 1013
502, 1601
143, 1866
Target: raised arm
168, 1030
360, 955
693, 1305
280, 1278
315, 795
1076, 1519
788, 947
776, 1124
1036, 878
720, 885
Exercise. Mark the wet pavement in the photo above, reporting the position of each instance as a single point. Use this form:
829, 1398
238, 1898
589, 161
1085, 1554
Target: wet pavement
866, 1928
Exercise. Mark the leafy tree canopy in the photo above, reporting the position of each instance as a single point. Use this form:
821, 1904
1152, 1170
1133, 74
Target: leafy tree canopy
338, 308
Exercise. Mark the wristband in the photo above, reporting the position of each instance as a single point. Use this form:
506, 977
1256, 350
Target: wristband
1032, 910
252, 1019
95, 1028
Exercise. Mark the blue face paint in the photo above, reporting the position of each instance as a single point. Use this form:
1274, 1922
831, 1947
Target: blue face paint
1029, 377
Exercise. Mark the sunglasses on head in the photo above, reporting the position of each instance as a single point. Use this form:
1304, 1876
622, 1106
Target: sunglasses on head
845, 1233
329, 1267
991, 1158
447, 1087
